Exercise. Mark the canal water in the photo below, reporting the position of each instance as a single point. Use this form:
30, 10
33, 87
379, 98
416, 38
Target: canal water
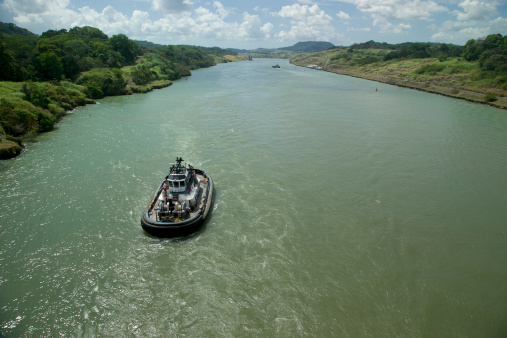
343, 207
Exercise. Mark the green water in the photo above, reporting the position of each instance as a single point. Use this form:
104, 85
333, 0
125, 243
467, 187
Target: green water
339, 211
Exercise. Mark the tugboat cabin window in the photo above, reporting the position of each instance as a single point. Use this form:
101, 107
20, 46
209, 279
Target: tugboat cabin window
177, 184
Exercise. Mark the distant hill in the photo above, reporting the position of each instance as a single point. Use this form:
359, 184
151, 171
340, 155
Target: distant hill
11, 29
286, 52
309, 46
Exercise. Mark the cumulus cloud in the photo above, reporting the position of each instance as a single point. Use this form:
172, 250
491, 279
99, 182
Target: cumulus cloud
476, 19
212, 25
307, 22
362, 29
181, 23
342, 15
221, 10
252, 27
298, 13
109, 20
394, 15
399, 9
172, 6
31, 6
37, 13
476, 10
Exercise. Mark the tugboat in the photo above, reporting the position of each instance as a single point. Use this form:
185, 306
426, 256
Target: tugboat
181, 202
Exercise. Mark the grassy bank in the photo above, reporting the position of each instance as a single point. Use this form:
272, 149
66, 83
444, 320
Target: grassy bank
453, 77
30, 108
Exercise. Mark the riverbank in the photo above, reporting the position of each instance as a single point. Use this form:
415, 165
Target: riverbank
456, 83
21, 112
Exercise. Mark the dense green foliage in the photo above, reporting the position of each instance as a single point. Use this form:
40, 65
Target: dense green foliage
424, 50
372, 45
409, 50
50, 74
12, 29
188, 56
491, 52
58, 54
32, 107
102, 82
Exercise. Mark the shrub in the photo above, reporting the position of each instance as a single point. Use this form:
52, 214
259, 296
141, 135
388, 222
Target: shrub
431, 69
366, 60
94, 92
109, 82
19, 117
35, 93
490, 97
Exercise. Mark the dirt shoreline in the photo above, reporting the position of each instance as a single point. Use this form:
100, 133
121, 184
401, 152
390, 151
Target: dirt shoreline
466, 95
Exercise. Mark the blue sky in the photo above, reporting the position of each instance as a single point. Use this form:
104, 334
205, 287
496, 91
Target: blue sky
267, 24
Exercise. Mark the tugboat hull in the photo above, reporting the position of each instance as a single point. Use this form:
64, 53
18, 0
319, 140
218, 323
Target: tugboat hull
160, 221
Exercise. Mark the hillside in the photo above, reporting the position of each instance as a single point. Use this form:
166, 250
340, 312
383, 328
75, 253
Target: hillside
476, 72
12, 29
309, 47
285, 52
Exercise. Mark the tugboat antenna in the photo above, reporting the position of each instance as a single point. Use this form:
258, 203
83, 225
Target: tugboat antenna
179, 160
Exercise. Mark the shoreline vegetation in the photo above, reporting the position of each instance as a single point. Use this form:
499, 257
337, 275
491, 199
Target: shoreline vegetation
476, 72
44, 77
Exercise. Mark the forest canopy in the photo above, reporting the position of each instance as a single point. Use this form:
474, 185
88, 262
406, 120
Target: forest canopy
59, 54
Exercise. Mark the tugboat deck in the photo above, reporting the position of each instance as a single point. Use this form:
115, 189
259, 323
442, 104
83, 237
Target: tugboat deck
203, 184
181, 202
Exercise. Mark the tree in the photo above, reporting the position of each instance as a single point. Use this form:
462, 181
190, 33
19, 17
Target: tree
6, 63
49, 66
88, 33
127, 48
470, 51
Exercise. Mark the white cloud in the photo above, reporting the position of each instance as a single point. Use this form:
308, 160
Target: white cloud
205, 24
306, 13
399, 9
37, 13
363, 29
476, 10
34, 7
342, 15
221, 9
172, 6
307, 22
477, 20
109, 20
252, 27
394, 15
